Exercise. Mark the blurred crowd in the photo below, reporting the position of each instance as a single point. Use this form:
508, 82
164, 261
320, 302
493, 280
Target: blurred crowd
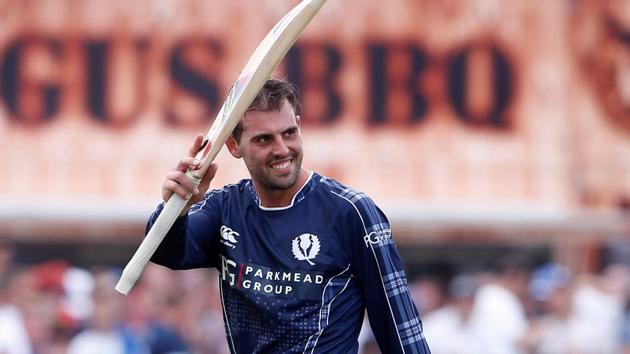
55, 308
516, 308
509, 308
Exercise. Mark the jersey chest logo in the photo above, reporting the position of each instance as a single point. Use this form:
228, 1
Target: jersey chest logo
305, 247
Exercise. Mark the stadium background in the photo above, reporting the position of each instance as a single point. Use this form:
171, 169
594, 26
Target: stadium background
482, 128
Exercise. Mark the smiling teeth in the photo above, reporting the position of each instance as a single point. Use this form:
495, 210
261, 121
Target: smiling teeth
282, 165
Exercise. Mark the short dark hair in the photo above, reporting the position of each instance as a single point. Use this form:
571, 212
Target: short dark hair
271, 98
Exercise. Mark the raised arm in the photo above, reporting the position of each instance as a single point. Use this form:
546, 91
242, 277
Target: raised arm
191, 241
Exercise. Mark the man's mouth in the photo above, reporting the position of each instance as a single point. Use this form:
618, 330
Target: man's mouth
281, 165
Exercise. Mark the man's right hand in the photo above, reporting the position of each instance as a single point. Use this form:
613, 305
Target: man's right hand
177, 182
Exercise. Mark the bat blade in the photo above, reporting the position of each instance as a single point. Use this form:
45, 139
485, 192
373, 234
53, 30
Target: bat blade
258, 68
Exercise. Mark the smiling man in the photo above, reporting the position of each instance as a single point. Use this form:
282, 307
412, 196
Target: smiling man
300, 255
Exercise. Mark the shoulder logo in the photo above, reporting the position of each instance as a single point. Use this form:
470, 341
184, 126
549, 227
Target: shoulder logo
378, 237
228, 236
305, 247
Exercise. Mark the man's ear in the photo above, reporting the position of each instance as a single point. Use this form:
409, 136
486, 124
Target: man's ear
232, 146
297, 119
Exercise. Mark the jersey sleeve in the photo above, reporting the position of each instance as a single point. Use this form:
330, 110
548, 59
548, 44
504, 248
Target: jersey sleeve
378, 269
192, 241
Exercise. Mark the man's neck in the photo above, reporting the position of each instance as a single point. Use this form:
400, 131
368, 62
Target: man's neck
279, 198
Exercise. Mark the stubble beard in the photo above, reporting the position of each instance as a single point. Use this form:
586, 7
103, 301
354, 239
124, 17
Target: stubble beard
268, 181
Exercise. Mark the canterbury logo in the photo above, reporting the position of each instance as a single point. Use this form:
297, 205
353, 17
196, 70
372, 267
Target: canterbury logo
228, 236
305, 247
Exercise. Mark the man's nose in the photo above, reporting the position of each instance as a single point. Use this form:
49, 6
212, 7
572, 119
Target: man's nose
280, 147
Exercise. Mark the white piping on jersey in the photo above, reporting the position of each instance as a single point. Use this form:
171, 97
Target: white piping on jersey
227, 321
391, 311
328, 317
198, 207
319, 321
310, 174
192, 211
333, 299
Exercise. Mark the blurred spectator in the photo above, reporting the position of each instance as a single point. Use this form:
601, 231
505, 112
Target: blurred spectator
203, 326
448, 329
599, 303
551, 332
77, 304
105, 334
6, 259
626, 326
428, 294
498, 317
158, 311
13, 336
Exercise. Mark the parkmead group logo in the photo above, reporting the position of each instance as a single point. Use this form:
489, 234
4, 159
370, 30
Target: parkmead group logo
305, 247
228, 236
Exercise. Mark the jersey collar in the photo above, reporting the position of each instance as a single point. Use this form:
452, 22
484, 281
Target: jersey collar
298, 197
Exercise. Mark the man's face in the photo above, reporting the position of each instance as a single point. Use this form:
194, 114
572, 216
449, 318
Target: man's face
271, 146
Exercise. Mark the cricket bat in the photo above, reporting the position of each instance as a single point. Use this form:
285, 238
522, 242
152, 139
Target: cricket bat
259, 67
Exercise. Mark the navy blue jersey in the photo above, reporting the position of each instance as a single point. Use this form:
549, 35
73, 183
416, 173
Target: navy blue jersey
297, 279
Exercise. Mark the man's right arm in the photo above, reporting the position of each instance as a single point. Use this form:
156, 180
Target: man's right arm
192, 241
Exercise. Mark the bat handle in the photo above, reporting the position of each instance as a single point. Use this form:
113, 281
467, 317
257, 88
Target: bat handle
160, 228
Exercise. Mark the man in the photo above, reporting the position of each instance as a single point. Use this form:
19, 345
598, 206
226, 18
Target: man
300, 256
